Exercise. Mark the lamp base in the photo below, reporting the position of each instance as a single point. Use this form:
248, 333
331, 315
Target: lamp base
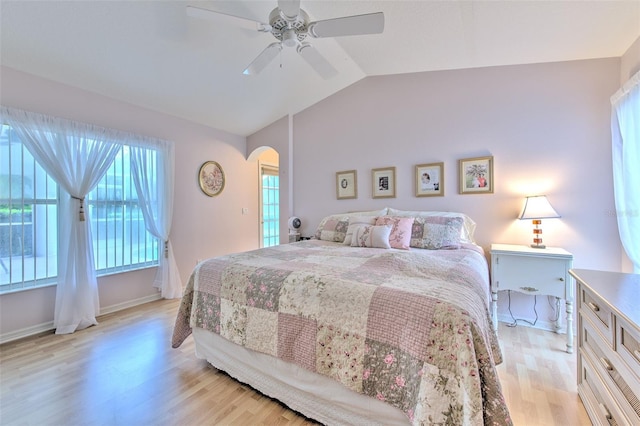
538, 246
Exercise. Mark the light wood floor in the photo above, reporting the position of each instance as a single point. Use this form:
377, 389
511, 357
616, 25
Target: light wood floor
124, 372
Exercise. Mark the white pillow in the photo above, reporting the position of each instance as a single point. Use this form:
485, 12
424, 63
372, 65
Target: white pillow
468, 228
371, 236
380, 212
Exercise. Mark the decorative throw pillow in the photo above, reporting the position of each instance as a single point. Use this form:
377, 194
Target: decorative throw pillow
354, 222
371, 236
400, 237
333, 228
436, 232
466, 233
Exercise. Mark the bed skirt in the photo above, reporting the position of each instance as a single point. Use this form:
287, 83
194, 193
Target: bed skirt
317, 397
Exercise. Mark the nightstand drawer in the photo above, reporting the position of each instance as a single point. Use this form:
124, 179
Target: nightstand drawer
532, 275
599, 312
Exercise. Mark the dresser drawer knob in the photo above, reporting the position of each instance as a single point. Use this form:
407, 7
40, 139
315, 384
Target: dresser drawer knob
593, 306
561, 279
530, 289
605, 412
607, 365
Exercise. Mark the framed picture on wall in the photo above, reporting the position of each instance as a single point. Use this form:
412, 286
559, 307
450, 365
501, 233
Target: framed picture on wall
430, 180
211, 178
384, 182
476, 175
346, 184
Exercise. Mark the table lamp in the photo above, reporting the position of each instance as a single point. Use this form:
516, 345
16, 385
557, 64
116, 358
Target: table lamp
537, 208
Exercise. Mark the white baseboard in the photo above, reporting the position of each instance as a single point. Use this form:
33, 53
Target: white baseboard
25, 332
542, 325
129, 304
48, 326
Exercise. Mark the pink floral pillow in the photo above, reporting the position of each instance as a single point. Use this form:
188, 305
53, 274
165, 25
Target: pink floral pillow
400, 236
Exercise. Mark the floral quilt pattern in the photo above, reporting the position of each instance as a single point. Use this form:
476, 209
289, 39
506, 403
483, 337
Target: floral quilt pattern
407, 327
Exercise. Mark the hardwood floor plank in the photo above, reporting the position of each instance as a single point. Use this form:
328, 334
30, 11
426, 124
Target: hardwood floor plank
124, 372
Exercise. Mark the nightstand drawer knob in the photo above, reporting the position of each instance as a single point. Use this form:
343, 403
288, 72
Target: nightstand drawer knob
593, 306
561, 279
530, 289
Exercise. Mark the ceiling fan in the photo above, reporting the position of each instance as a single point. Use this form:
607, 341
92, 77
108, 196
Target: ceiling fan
290, 25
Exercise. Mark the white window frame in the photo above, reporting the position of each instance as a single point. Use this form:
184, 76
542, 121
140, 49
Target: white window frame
13, 268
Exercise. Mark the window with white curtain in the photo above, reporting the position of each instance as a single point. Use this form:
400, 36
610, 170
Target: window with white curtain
29, 222
625, 138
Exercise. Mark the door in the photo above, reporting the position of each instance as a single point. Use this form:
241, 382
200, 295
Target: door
269, 206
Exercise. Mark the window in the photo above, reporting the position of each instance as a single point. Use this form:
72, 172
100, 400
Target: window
120, 239
270, 206
29, 222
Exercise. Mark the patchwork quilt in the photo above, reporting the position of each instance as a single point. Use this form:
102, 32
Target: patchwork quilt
408, 327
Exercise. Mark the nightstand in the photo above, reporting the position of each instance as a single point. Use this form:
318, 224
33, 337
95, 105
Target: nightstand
532, 271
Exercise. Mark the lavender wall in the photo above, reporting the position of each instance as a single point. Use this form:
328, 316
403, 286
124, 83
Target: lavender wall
546, 125
630, 62
202, 226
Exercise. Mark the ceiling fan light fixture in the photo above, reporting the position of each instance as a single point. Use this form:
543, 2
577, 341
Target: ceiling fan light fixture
289, 38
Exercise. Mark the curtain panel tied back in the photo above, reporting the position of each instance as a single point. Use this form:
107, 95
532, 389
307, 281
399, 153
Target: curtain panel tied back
76, 156
156, 203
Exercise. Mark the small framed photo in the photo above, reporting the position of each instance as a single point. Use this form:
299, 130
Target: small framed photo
384, 182
430, 180
347, 184
476, 175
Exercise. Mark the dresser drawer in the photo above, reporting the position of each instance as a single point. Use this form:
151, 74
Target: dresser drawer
628, 347
618, 379
532, 275
600, 406
599, 312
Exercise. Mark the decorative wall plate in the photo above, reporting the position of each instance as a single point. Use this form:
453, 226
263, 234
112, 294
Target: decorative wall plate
211, 178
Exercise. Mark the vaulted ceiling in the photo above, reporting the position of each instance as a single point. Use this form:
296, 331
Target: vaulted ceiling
151, 54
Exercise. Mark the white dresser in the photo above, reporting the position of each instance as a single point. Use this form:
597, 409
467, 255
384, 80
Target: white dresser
609, 345
541, 272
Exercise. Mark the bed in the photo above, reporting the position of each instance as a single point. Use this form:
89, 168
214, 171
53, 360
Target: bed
363, 324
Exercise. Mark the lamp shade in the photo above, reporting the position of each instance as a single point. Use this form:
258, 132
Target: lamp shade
538, 207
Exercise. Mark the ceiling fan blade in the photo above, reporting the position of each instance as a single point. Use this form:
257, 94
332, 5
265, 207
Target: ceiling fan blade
289, 8
371, 23
317, 61
226, 18
264, 58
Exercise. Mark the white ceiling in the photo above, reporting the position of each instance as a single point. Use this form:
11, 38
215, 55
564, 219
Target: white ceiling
150, 54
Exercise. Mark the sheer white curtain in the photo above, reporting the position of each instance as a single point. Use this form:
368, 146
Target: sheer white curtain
76, 156
625, 135
152, 167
